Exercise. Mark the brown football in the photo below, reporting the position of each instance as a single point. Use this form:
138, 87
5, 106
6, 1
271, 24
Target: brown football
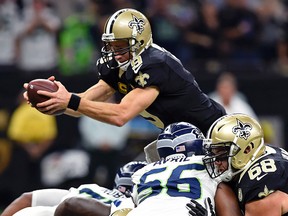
40, 84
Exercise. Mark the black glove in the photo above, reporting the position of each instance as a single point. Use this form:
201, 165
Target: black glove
196, 209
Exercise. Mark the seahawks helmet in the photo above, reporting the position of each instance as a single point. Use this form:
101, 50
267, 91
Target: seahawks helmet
125, 25
180, 138
123, 181
236, 138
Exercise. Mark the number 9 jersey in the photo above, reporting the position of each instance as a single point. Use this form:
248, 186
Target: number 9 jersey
166, 186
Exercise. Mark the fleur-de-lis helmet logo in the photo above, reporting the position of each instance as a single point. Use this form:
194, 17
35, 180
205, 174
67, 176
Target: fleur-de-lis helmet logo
242, 130
138, 23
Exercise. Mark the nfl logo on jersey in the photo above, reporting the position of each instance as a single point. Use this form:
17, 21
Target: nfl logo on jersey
180, 148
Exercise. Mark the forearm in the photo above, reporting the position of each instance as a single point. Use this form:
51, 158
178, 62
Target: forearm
115, 114
21, 202
130, 106
226, 202
76, 113
100, 92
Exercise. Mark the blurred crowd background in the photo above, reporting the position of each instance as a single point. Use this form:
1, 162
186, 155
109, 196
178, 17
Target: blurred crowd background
237, 50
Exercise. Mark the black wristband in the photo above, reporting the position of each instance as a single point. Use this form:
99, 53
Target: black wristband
74, 102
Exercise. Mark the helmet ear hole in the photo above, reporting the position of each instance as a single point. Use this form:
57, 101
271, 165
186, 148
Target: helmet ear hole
247, 149
142, 42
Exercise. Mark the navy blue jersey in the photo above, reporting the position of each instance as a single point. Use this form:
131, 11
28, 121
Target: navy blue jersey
267, 174
180, 97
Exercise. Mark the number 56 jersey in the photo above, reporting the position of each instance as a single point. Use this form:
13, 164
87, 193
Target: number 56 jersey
166, 186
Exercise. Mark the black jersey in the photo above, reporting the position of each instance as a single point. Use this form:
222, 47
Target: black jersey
266, 175
180, 97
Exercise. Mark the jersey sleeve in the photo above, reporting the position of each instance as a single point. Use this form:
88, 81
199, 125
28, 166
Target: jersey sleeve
94, 191
158, 68
48, 197
260, 189
263, 178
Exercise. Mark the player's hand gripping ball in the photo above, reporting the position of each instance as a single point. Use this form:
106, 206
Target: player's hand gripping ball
41, 84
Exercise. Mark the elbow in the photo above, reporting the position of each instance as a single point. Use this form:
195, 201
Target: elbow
121, 121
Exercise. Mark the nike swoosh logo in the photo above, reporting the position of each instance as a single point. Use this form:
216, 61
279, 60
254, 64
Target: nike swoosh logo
258, 178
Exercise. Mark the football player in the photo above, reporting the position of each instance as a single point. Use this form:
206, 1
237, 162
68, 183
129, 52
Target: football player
151, 81
165, 186
44, 202
79, 206
259, 172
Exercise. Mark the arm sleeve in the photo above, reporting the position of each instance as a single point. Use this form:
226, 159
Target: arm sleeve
48, 197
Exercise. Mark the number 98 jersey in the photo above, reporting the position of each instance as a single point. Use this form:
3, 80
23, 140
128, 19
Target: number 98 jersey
166, 186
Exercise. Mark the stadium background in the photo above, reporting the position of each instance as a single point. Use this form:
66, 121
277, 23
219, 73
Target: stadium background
265, 85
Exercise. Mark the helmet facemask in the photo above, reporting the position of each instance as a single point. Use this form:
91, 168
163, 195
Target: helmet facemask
108, 53
228, 151
123, 179
217, 153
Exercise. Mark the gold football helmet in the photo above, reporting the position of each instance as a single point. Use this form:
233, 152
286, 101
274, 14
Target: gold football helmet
127, 25
237, 138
